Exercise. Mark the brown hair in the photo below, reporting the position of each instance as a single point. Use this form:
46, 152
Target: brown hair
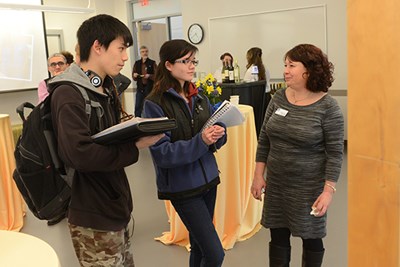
68, 56
319, 69
254, 57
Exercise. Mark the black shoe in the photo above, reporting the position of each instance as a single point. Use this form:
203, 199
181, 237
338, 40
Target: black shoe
312, 258
279, 256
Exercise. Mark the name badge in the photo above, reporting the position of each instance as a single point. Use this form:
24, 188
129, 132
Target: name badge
281, 112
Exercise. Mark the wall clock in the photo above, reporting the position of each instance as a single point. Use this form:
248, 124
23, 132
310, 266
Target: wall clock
195, 33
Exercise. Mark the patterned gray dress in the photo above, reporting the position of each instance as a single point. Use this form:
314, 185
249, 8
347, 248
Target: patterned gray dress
302, 149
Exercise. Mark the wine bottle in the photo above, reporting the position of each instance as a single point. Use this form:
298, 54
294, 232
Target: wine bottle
231, 74
226, 73
223, 72
236, 72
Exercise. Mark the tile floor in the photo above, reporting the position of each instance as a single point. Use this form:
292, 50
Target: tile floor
151, 221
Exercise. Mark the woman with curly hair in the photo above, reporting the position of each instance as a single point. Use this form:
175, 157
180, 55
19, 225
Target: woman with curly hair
301, 149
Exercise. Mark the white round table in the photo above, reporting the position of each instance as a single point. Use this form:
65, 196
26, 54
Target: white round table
22, 250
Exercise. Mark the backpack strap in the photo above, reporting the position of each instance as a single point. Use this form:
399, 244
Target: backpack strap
67, 173
20, 109
92, 104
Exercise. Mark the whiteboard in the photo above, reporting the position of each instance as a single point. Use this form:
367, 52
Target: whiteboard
275, 32
23, 59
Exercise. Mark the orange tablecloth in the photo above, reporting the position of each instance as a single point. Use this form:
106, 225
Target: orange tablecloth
12, 207
237, 213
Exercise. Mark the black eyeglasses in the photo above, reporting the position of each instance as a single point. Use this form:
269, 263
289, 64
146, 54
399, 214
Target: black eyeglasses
187, 61
59, 63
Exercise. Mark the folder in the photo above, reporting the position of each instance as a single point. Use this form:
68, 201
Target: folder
133, 129
227, 113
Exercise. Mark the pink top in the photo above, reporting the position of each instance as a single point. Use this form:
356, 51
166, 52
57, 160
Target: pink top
42, 91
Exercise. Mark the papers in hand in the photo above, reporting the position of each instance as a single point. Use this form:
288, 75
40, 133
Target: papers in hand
227, 113
133, 129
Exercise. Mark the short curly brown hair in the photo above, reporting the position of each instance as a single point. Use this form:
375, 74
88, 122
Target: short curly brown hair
319, 69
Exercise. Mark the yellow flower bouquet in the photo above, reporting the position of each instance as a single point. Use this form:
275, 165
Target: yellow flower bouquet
210, 88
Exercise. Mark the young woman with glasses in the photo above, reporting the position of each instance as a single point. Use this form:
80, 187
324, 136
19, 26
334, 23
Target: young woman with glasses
187, 172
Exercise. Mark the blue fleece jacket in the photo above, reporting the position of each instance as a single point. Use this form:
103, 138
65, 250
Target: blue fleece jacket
184, 168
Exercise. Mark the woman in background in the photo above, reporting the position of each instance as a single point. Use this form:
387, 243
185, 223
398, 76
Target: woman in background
301, 149
254, 58
226, 60
254, 61
186, 168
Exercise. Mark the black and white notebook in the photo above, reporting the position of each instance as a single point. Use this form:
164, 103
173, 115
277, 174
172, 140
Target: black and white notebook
227, 113
133, 129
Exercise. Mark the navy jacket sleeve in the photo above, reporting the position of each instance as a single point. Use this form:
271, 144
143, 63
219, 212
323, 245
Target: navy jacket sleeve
169, 155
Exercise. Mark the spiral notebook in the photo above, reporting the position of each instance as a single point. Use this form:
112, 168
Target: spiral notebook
133, 129
227, 113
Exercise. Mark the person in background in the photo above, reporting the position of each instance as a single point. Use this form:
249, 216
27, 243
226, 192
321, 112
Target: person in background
143, 73
186, 168
121, 83
301, 149
226, 60
56, 64
100, 210
254, 59
68, 56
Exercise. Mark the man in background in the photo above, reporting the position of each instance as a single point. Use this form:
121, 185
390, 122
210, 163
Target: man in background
143, 73
56, 64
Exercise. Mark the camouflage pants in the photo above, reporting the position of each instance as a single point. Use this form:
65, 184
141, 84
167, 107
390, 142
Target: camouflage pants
102, 249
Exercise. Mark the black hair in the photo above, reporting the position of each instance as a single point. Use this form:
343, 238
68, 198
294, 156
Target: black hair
104, 29
169, 52
226, 54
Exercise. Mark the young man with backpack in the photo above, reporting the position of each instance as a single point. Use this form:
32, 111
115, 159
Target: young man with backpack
101, 202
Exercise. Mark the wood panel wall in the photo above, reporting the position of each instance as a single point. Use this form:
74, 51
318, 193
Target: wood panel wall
373, 133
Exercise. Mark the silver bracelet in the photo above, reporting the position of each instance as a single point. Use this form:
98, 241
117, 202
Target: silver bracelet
331, 186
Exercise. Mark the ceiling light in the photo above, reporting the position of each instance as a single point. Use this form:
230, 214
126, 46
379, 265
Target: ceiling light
58, 9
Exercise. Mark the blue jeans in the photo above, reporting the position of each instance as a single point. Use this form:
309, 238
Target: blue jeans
140, 96
197, 214
141, 93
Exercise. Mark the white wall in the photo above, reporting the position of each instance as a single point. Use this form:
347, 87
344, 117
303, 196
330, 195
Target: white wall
156, 8
69, 24
200, 11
